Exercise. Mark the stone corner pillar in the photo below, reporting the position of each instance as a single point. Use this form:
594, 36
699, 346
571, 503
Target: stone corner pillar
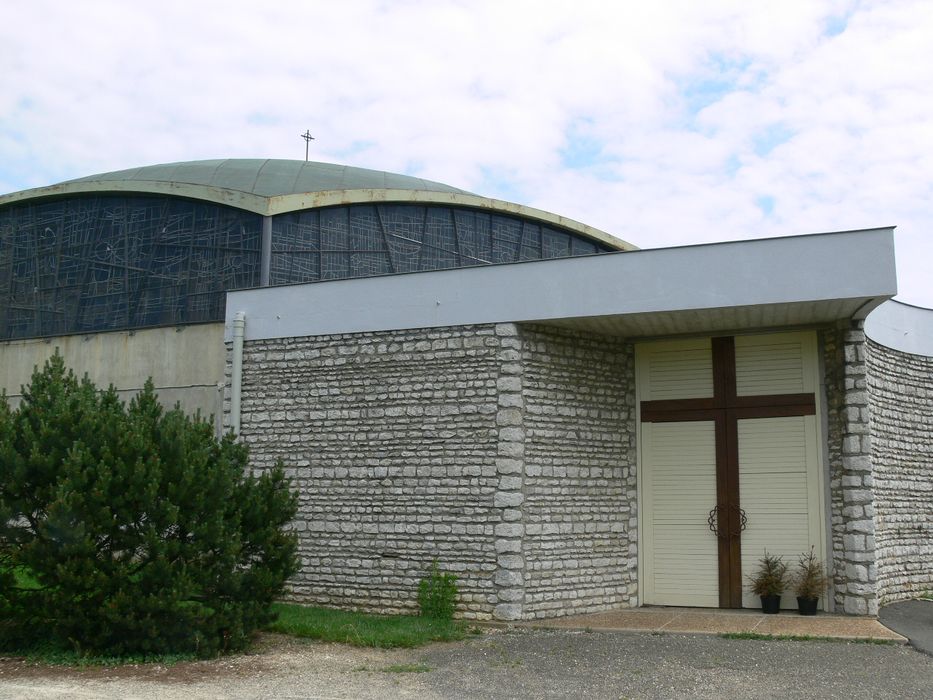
509, 575
858, 592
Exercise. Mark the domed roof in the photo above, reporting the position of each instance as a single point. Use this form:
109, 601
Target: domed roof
270, 187
271, 177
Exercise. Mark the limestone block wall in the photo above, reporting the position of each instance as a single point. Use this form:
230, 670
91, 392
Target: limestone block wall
503, 452
854, 573
901, 399
391, 440
579, 487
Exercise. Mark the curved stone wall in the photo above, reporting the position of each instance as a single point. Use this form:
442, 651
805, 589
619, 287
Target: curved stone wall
900, 385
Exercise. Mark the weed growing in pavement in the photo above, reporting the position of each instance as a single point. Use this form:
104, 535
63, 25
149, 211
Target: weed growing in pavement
800, 638
407, 668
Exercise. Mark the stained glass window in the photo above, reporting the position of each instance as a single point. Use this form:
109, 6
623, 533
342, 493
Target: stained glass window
364, 240
112, 262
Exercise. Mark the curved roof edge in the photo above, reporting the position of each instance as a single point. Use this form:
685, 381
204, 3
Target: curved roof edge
297, 202
281, 204
903, 327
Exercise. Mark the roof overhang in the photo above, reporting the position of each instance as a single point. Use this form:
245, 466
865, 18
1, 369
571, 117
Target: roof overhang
722, 287
903, 327
282, 204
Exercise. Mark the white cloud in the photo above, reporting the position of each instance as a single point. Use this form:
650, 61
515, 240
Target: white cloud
663, 123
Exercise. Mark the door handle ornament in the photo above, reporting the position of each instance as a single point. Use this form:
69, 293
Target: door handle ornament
713, 521
741, 519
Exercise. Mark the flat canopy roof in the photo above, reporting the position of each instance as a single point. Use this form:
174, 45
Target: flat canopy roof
716, 288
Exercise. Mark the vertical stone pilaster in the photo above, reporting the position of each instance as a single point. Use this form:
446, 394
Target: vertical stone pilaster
509, 577
858, 511
854, 574
630, 475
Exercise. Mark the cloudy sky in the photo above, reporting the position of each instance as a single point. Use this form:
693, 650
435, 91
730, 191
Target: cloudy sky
662, 122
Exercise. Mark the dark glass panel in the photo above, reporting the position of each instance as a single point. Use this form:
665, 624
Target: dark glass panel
110, 262
579, 246
506, 239
403, 226
91, 263
554, 244
395, 238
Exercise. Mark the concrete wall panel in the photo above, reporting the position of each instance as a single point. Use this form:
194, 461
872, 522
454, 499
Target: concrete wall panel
186, 363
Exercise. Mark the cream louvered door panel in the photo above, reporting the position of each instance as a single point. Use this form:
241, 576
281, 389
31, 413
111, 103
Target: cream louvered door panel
777, 363
679, 483
779, 491
779, 471
678, 478
760, 487
677, 369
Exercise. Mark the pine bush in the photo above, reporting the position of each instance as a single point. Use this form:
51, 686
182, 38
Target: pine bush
437, 594
135, 530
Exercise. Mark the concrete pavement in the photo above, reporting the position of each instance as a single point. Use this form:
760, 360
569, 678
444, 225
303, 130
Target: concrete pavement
913, 619
713, 622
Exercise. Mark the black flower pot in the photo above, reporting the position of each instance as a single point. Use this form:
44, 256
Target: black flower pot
807, 606
770, 604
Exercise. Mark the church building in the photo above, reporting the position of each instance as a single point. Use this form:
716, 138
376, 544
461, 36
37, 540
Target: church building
566, 422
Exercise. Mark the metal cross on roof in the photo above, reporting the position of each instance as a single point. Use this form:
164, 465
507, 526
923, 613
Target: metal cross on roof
308, 139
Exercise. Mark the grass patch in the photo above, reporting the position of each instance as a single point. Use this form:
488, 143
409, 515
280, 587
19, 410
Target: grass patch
357, 629
362, 630
799, 638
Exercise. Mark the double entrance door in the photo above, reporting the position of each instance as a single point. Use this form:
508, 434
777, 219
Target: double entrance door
729, 463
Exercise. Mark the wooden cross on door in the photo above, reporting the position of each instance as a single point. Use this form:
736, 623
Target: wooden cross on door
725, 409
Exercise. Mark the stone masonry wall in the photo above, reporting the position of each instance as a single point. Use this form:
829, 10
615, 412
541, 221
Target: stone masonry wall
504, 452
901, 399
850, 471
391, 439
579, 489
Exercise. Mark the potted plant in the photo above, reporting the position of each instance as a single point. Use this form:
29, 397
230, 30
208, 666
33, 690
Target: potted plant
809, 582
769, 582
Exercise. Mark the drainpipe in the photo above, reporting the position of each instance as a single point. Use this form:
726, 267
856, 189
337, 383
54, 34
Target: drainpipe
236, 378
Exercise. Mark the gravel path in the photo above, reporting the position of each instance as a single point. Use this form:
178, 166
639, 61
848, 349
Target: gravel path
510, 664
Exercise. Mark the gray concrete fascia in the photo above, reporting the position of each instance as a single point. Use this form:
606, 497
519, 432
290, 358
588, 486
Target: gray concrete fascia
854, 265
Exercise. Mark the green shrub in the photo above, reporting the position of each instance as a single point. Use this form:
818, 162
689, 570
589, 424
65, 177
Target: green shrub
771, 576
135, 529
809, 580
437, 594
